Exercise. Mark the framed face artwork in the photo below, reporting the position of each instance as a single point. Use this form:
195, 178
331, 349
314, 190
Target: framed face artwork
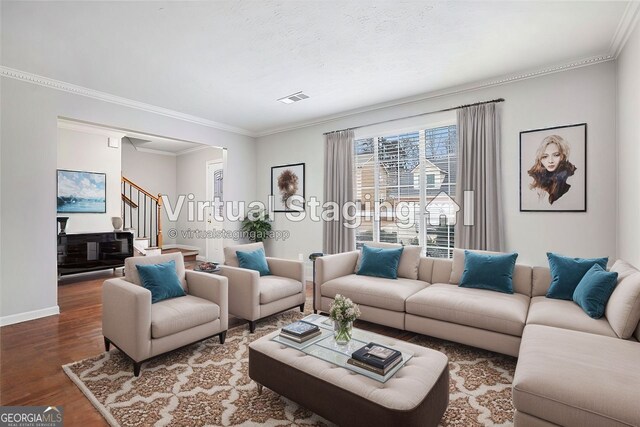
288, 181
553, 169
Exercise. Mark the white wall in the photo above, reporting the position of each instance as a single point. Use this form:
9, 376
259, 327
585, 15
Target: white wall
581, 95
192, 179
629, 149
156, 173
28, 181
83, 151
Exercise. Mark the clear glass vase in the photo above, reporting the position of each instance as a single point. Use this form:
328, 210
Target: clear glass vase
342, 332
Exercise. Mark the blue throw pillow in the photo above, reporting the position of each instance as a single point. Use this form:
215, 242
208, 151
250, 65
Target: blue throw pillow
380, 262
162, 280
567, 272
254, 260
594, 290
493, 272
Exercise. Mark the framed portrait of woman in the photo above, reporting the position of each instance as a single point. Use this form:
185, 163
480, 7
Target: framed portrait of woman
553, 169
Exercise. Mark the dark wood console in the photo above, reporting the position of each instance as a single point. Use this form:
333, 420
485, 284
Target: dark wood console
82, 252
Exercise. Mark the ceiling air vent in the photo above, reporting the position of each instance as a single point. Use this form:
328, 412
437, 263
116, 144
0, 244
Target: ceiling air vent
295, 97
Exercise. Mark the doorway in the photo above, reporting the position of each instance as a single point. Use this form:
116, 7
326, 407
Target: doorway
215, 223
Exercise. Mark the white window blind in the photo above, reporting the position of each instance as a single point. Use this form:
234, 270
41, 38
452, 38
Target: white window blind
403, 172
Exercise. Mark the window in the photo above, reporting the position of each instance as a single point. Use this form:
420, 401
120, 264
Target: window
397, 177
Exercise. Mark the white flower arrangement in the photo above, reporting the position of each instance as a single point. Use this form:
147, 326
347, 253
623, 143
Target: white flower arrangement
343, 309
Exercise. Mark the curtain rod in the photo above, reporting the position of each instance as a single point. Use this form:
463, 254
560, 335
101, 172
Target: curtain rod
418, 115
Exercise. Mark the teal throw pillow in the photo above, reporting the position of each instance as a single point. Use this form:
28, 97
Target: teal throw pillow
380, 262
493, 272
567, 272
594, 290
162, 280
254, 260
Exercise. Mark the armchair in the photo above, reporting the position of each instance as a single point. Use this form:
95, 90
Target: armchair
252, 297
142, 330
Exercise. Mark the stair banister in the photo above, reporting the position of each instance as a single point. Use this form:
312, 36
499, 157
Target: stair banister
157, 200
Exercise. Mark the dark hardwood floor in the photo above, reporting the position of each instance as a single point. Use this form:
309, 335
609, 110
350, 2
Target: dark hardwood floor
32, 353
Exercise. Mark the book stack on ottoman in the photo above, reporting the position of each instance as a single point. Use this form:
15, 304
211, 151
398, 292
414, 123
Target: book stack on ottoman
300, 331
376, 358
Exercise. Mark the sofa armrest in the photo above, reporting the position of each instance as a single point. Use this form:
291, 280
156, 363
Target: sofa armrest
330, 267
287, 268
126, 317
212, 287
244, 291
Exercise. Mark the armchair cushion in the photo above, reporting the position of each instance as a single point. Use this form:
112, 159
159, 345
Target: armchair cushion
274, 288
254, 260
161, 280
179, 314
230, 257
131, 272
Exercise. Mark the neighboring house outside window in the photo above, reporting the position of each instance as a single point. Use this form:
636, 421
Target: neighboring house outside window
412, 167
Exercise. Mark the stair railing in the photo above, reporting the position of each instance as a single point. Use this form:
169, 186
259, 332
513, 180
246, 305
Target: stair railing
140, 206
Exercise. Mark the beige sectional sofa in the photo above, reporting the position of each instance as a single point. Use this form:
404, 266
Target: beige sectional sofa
572, 369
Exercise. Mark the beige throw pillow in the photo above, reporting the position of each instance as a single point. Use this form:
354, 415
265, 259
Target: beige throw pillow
623, 308
409, 260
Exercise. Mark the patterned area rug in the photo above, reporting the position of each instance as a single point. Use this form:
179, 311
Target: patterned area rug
208, 384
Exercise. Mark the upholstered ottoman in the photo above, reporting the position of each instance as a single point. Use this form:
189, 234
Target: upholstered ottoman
417, 395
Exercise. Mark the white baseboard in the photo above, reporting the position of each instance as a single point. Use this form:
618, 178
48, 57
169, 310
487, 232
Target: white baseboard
29, 315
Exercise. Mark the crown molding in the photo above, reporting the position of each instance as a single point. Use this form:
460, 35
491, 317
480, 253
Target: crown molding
510, 78
625, 28
114, 99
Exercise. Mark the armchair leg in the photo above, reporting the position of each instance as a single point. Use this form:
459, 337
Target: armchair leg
136, 368
252, 326
107, 344
302, 308
222, 335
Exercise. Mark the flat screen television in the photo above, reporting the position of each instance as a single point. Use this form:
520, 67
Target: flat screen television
82, 192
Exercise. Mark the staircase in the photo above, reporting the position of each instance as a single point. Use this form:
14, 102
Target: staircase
142, 214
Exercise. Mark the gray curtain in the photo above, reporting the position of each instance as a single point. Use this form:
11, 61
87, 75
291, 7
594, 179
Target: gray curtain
338, 187
479, 172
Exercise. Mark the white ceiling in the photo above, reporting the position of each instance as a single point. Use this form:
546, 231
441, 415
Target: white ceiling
228, 61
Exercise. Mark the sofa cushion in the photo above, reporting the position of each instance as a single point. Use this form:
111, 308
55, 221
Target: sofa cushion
230, 257
594, 290
274, 288
623, 308
179, 314
566, 273
521, 273
379, 262
566, 315
492, 272
540, 281
373, 291
577, 379
409, 260
493, 311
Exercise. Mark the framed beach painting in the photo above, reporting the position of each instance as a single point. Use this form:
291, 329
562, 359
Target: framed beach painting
287, 181
553, 169
82, 192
